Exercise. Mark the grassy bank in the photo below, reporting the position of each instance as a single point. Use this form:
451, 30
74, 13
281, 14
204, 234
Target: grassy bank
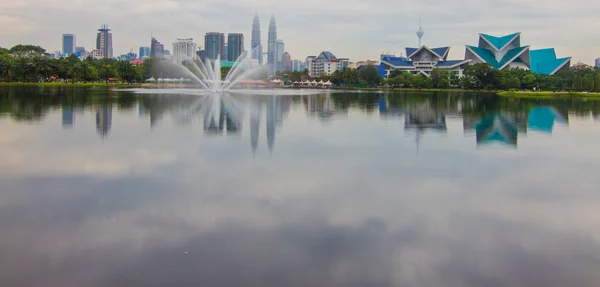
544, 94
62, 84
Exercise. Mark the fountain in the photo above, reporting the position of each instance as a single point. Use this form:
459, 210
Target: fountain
207, 78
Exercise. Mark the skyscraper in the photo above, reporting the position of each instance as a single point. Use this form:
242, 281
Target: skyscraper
286, 62
598, 63
256, 44
144, 52
280, 51
68, 41
214, 44
157, 50
225, 51
184, 50
104, 41
235, 46
272, 42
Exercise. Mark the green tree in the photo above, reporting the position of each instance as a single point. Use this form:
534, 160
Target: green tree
19, 51
397, 81
528, 82
444, 84
125, 71
370, 75
7, 64
421, 82
75, 72
514, 83
437, 75
483, 74
107, 71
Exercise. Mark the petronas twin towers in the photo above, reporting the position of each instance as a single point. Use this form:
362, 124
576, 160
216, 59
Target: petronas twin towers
257, 47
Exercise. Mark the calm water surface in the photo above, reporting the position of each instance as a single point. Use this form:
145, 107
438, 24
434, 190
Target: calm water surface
106, 188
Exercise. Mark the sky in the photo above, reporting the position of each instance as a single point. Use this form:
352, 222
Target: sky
354, 29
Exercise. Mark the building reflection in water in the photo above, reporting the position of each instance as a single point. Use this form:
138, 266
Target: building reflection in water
542, 118
103, 120
68, 117
504, 127
255, 115
322, 107
222, 114
423, 118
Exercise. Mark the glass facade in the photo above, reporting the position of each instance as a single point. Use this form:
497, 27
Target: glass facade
235, 46
157, 50
68, 44
144, 52
214, 44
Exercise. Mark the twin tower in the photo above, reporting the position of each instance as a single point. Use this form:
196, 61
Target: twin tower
256, 44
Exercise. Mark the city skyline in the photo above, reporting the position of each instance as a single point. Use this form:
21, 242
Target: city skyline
308, 31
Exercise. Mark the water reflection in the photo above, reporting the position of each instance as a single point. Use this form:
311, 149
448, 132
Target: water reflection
180, 192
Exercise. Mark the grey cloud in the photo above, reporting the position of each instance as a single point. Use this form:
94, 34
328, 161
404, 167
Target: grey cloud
355, 29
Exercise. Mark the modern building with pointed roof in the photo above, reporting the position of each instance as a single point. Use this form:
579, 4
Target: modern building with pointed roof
422, 61
506, 52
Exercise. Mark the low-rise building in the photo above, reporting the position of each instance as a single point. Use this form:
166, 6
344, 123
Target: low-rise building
97, 54
422, 61
326, 63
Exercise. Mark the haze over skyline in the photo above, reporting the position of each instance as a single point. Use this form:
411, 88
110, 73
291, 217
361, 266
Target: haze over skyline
353, 29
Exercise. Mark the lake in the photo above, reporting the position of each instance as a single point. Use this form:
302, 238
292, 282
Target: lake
101, 187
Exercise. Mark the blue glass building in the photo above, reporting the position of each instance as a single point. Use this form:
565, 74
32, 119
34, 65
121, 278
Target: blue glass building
68, 44
214, 44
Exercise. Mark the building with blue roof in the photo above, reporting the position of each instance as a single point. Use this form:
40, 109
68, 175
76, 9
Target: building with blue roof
326, 62
422, 61
506, 52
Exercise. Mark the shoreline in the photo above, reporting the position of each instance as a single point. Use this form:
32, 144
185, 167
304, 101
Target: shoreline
547, 94
511, 94
63, 84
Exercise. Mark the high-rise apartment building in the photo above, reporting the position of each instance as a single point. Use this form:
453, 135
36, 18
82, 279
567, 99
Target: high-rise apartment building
598, 63
256, 43
184, 50
144, 52
214, 44
68, 44
104, 41
157, 50
272, 42
235, 46
286, 62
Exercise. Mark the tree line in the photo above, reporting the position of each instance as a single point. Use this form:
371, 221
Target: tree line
28, 63
483, 77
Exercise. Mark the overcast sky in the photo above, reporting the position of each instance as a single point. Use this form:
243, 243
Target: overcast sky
356, 29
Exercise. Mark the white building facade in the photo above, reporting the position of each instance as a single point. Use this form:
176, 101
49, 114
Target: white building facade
326, 63
184, 50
